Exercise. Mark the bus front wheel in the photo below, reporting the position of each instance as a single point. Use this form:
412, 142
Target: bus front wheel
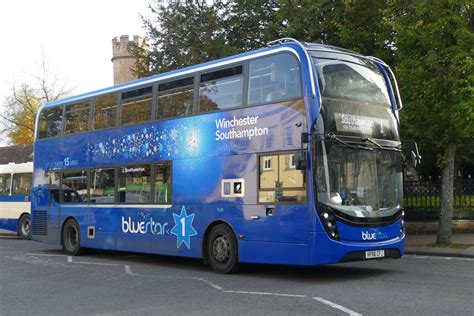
222, 252
71, 237
24, 227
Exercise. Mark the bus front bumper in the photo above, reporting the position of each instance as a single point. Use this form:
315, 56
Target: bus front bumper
326, 251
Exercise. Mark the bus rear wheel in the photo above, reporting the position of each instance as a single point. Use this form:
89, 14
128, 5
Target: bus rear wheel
222, 251
71, 237
24, 227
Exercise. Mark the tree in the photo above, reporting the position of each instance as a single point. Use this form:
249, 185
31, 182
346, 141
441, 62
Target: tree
179, 35
249, 24
187, 33
21, 107
361, 26
435, 67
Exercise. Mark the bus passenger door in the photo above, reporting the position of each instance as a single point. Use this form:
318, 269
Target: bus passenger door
54, 209
282, 198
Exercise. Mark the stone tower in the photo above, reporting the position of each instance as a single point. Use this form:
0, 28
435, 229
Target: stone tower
122, 59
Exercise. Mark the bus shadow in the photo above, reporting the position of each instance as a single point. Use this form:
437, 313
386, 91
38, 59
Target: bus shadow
122, 257
311, 274
326, 273
9, 235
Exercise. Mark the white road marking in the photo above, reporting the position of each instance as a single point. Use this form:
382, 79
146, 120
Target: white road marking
440, 258
217, 287
42, 254
264, 293
128, 270
97, 263
336, 306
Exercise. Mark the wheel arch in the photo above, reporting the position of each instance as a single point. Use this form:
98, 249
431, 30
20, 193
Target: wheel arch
23, 214
20, 217
206, 236
64, 223
18, 227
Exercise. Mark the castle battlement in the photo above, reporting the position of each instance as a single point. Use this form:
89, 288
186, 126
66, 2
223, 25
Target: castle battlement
121, 45
122, 59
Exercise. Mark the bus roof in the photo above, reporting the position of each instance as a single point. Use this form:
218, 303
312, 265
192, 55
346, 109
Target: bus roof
16, 168
290, 46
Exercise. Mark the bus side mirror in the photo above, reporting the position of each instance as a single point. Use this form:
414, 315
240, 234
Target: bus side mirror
304, 138
300, 160
415, 155
415, 158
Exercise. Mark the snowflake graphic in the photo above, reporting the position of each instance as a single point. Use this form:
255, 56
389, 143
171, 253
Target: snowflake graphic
174, 134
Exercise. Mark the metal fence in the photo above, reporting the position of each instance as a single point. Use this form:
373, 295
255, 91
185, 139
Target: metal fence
422, 199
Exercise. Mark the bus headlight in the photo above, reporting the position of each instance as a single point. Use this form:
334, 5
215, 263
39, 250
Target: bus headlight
329, 222
402, 223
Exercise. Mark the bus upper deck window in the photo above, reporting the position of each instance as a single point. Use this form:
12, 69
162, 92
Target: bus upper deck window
221, 89
175, 98
50, 122
274, 78
76, 118
105, 108
136, 106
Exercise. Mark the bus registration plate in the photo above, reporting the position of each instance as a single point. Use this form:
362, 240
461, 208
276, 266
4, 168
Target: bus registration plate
374, 254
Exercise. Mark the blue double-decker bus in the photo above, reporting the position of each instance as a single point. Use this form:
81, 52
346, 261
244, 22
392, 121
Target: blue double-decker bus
289, 154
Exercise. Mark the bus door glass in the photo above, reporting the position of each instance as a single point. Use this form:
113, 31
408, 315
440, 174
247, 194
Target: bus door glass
54, 211
282, 196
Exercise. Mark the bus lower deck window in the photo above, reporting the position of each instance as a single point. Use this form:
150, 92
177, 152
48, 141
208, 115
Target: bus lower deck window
134, 184
102, 185
280, 181
74, 186
22, 183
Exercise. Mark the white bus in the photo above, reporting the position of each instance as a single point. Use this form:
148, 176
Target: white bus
15, 187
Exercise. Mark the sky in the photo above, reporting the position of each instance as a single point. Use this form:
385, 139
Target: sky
75, 38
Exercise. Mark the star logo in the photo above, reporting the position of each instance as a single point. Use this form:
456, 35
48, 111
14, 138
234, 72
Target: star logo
183, 228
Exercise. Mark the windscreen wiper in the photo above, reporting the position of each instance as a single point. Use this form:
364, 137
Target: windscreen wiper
370, 140
336, 139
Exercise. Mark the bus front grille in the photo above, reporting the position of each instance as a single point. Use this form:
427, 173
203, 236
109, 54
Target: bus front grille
40, 223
